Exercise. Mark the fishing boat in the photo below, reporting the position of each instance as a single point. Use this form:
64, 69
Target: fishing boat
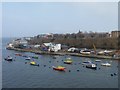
34, 63
59, 68
91, 66
106, 64
68, 61
28, 58
9, 58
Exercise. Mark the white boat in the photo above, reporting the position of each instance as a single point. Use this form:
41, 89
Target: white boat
97, 60
86, 62
91, 66
85, 52
9, 58
106, 64
28, 58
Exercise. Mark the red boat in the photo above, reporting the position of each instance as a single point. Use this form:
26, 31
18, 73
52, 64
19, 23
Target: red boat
59, 68
18, 54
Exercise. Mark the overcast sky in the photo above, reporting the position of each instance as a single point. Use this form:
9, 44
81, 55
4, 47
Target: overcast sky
33, 18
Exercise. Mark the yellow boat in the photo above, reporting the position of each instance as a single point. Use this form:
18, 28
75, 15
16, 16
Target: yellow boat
59, 68
68, 61
34, 63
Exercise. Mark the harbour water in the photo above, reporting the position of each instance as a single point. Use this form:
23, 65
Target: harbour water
17, 74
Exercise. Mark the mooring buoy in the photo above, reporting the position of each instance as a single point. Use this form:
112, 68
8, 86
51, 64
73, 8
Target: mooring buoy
111, 74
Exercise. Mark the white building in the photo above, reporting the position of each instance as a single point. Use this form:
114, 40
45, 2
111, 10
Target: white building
53, 47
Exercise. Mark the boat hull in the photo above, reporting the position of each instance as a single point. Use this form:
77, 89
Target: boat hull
34, 64
59, 69
68, 62
8, 59
91, 67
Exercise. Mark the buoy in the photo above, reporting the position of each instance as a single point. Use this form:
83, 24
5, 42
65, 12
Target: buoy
78, 70
38, 65
44, 65
111, 74
49, 67
25, 62
99, 68
115, 73
69, 70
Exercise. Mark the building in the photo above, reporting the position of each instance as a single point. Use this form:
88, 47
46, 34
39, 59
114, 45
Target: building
115, 34
19, 43
50, 47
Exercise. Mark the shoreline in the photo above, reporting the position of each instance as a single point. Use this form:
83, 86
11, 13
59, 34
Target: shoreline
64, 53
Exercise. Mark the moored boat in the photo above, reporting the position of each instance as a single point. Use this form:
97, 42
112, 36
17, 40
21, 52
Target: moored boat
28, 58
68, 61
35, 57
86, 62
24, 56
18, 54
97, 60
106, 64
34, 63
91, 66
9, 58
59, 68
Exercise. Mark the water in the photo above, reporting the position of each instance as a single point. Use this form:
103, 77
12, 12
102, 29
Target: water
17, 74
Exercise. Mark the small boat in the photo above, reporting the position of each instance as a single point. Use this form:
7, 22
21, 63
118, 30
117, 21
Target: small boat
86, 62
28, 58
24, 56
9, 58
34, 63
97, 60
54, 57
68, 61
91, 66
18, 54
59, 68
35, 57
106, 64
85, 52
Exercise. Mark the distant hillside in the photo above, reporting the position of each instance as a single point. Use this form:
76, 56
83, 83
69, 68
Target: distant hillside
80, 40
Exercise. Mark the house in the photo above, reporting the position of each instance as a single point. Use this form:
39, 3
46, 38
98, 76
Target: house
115, 33
50, 47
19, 43
55, 47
